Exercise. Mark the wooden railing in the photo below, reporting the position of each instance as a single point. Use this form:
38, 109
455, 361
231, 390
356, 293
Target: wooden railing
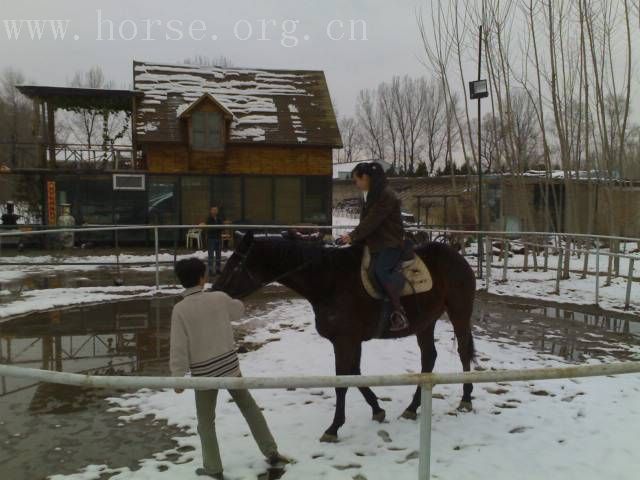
69, 156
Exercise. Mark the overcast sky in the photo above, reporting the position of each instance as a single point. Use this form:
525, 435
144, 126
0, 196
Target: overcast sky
391, 47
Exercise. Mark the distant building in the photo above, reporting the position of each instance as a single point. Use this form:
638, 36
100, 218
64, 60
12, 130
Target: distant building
528, 202
256, 142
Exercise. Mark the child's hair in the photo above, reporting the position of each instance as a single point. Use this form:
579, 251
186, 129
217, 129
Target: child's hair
189, 271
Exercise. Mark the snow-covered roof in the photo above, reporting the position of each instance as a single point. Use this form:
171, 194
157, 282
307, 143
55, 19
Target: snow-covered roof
283, 107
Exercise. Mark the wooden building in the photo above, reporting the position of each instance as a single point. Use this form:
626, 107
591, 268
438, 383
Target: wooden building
528, 202
256, 142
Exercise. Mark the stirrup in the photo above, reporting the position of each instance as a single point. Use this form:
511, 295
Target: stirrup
398, 321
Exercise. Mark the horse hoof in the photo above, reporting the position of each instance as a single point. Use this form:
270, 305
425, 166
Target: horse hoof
465, 406
329, 438
409, 415
379, 416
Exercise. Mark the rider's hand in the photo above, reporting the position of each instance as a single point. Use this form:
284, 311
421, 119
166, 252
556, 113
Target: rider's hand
345, 239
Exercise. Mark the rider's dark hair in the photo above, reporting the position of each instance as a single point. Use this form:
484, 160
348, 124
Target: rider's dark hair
376, 174
189, 271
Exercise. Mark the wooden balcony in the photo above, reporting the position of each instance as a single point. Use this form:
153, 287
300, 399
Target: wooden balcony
70, 156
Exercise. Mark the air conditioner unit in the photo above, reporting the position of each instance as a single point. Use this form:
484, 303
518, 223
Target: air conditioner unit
128, 182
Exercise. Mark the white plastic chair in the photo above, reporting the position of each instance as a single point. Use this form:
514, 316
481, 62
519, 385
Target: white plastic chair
194, 234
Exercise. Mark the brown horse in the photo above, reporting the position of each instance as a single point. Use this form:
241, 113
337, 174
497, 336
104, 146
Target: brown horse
329, 278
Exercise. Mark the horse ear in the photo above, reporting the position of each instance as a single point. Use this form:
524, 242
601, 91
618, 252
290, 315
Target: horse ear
243, 241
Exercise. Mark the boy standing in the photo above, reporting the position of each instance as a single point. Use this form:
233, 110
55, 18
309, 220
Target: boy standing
202, 342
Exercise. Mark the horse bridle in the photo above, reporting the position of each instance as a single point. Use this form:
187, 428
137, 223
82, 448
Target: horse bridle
257, 284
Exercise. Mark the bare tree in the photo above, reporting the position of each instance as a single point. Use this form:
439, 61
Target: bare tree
204, 61
351, 139
372, 125
86, 124
15, 116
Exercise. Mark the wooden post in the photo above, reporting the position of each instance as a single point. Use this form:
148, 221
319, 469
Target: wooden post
559, 271
505, 257
51, 133
546, 258
134, 132
598, 272
585, 267
627, 299
37, 132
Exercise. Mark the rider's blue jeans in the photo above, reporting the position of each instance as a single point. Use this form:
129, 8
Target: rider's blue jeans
387, 269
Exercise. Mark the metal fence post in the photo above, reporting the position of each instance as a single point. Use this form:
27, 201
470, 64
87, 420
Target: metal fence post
424, 469
598, 272
546, 258
155, 233
505, 259
627, 299
489, 257
559, 271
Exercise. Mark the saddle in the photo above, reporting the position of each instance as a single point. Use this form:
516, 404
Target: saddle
417, 275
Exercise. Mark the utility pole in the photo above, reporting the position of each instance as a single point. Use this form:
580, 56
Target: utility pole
478, 90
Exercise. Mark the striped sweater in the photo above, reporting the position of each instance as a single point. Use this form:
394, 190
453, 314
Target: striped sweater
202, 339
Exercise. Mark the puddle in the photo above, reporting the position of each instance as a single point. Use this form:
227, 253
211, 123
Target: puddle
99, 277
46, 428
572, 335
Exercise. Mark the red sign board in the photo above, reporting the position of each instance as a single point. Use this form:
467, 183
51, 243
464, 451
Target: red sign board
52, 206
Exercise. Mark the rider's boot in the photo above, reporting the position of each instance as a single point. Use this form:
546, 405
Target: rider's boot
398, 318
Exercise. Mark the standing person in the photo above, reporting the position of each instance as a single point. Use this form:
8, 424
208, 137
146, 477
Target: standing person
202, 342
381, 229
214, 239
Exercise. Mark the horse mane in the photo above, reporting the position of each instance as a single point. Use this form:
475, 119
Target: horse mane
282, 250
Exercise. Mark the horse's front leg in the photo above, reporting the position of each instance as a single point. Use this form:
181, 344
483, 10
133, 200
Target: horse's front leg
345, 354
378, 414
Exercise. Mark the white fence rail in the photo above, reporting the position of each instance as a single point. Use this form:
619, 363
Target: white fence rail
425, 380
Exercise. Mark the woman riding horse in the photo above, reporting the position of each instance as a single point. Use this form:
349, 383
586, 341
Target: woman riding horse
381, 229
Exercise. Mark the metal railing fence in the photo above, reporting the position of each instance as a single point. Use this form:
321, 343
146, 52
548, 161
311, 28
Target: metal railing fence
561, 245
425, 380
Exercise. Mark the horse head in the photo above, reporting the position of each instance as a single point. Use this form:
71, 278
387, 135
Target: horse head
241, 275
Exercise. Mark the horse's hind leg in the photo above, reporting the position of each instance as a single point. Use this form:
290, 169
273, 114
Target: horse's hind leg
427, 345
378, 413
460, 317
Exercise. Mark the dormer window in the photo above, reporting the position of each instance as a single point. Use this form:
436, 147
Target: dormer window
208, 122
207, 131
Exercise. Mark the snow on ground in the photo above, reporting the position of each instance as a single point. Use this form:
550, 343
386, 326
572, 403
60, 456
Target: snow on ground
577, 290
74, 263
47, 299
564, 429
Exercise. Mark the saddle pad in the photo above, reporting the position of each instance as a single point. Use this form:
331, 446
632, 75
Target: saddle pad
416, 273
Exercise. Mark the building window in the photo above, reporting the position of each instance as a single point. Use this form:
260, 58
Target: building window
207, 129
258, 199
317, 194
288, 196
162, 208
195, 202
226, 193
